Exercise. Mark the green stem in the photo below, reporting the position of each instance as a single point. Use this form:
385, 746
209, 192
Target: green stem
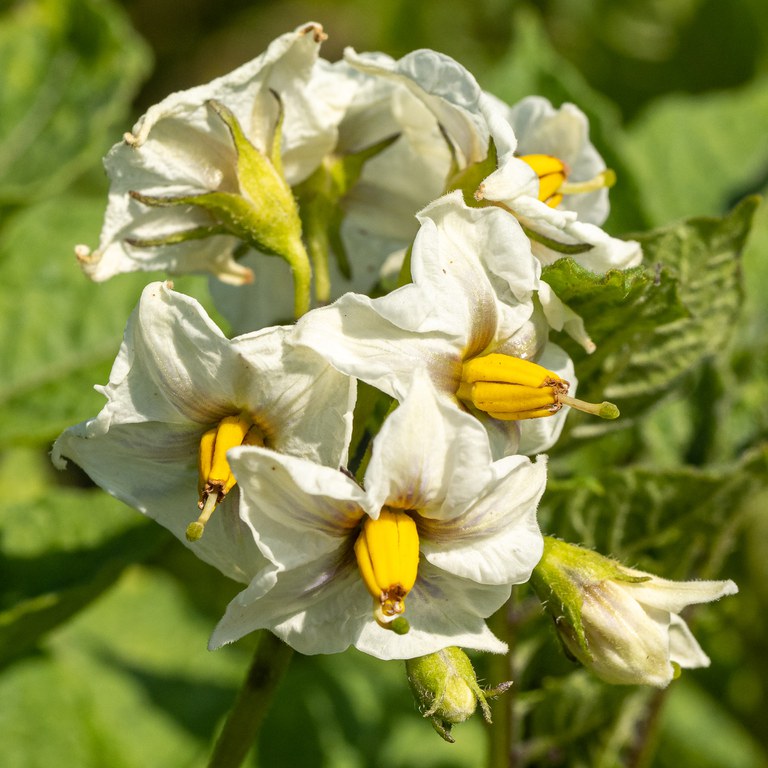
502, 668
301, 270
247, 714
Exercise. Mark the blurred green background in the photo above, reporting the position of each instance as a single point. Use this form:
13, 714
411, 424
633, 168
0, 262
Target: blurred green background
104, 619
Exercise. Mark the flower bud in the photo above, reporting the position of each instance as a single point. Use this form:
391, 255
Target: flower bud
621, 623
446, 690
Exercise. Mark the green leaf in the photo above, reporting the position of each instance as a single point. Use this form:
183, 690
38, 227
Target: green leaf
62, 331
698, 730
653, 325
128, 684
697, 154
70, 69
60, 548
677, 523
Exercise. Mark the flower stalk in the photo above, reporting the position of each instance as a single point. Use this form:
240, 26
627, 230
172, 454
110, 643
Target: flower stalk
244, 720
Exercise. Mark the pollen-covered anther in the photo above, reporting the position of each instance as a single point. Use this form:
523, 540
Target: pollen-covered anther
512, 389
215, 476
553, 179
387, 553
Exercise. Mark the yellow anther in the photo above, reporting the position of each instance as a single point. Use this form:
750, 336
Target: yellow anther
387, 553
215, 475
552, 172
553, 179
512, 389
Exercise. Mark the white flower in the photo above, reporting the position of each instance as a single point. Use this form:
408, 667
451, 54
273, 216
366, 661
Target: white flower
471, 118
204, 160
406, 567
451, 322
621, 623
375, 213
553, 180
177, 384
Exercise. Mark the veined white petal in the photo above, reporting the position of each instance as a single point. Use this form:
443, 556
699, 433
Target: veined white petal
302, 403
298, 511
174, 366
357, 339
152, 467
315, 609
496, 539
629, 643
425, 448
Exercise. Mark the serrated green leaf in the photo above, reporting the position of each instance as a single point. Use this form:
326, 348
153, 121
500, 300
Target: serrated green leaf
70, 69
670, 522
654, 324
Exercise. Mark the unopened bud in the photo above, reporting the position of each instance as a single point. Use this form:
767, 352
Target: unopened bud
446, 690
621, 623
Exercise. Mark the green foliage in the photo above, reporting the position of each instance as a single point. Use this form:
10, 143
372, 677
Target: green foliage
104, 619
654, 324
69, 69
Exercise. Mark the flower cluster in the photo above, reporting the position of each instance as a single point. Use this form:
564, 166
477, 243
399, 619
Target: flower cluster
426, 209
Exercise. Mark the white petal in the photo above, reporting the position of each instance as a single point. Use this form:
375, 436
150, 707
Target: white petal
298, 511
426, 451
683, 647
315, 609
496, 540
456, 249
629, 644
302, 404
153, 468
179, 148
357, 339
174, 366
563, 318
446, 88
322, 609
513, 178
673, 596
564, 133
607, 252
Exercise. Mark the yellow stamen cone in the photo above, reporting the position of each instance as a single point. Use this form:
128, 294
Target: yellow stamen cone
511, 389
215, 475
552, 172
387, 553
553, 179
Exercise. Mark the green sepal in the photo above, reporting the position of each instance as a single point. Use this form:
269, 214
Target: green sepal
236, 216
322, 212
569, 249
197, 233
446, 690
470, 178
560, 578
